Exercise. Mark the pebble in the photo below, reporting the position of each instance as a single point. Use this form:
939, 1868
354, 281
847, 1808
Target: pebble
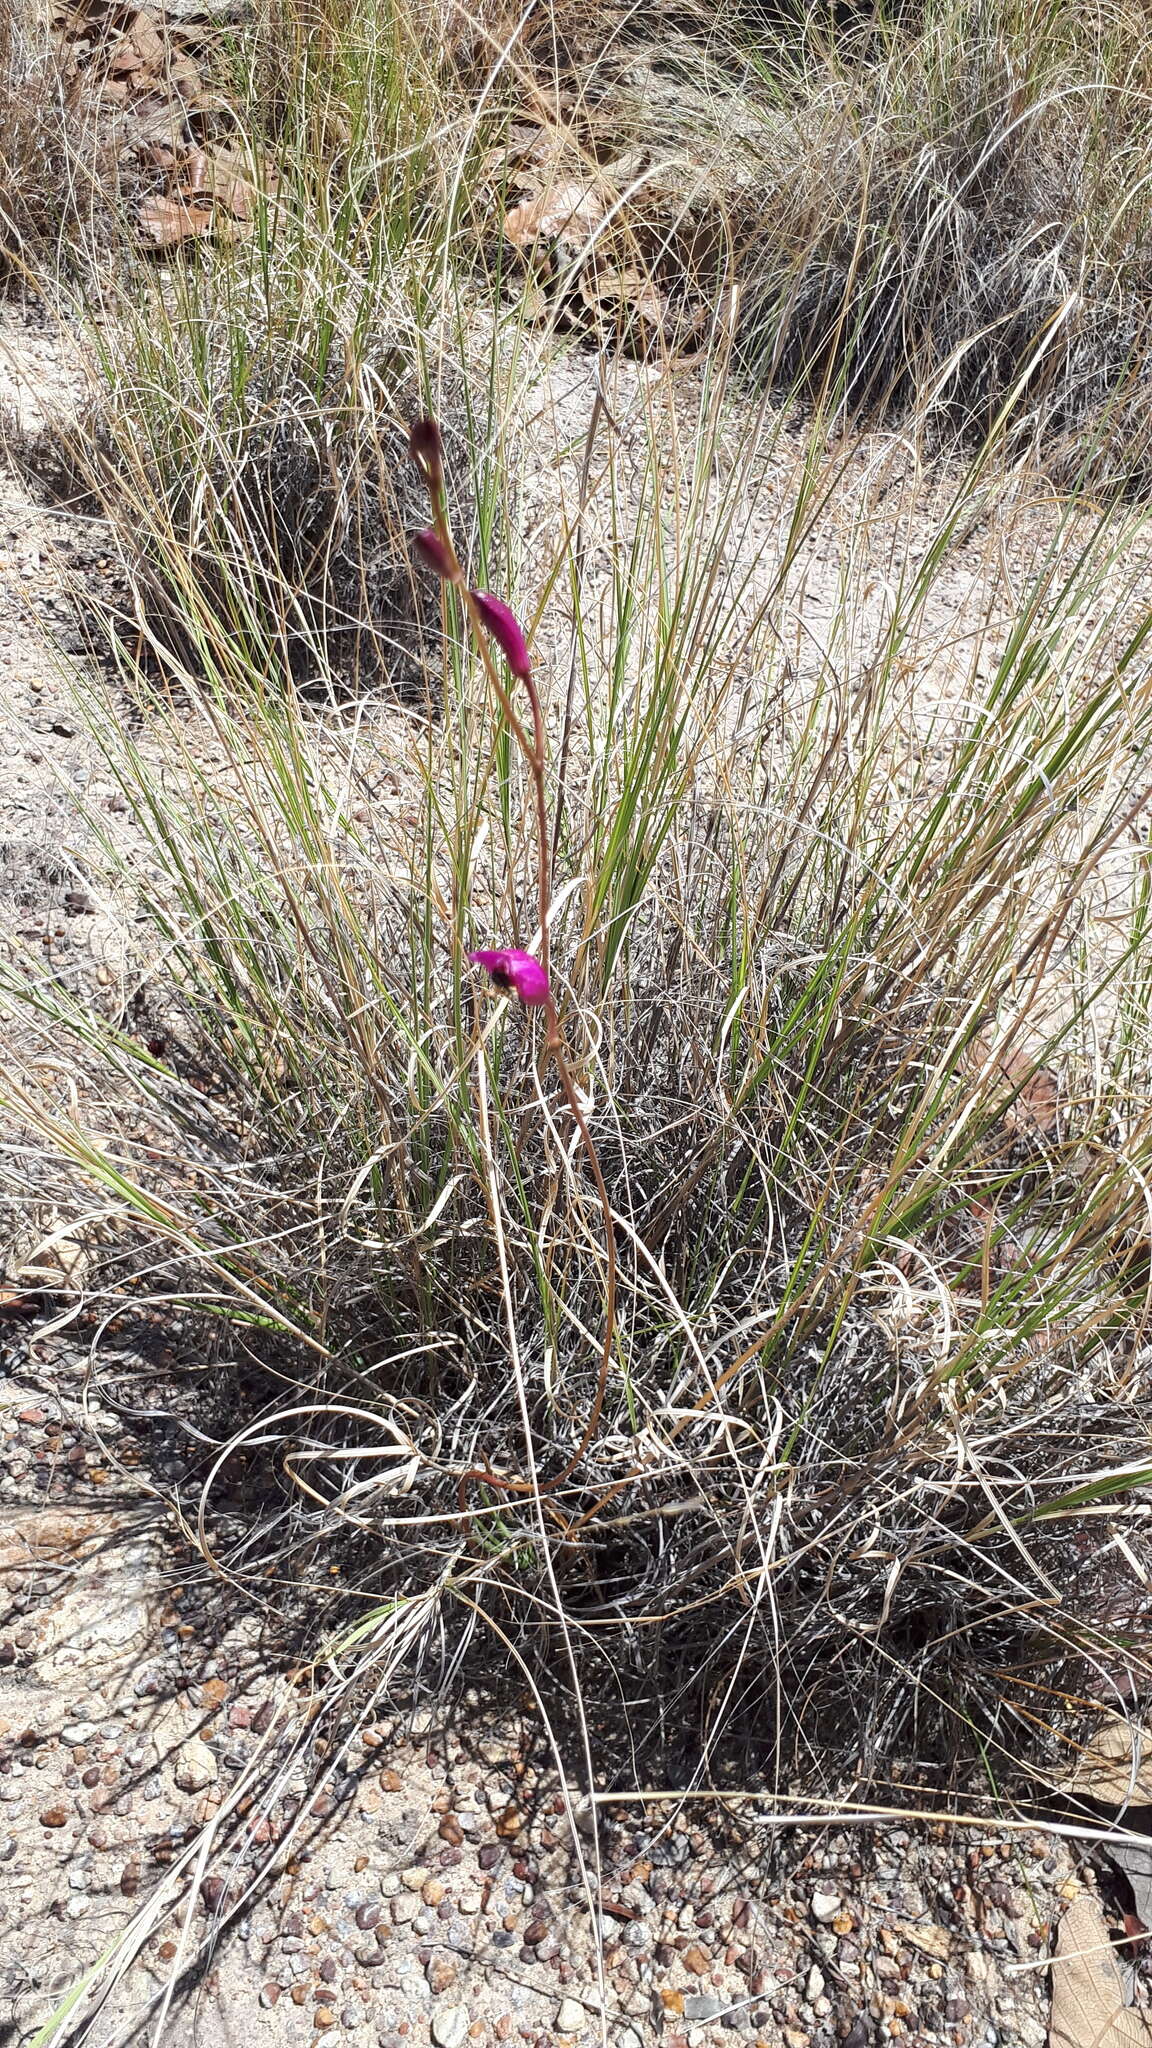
825, 1906
449, 2026
571, 2017
196, 1767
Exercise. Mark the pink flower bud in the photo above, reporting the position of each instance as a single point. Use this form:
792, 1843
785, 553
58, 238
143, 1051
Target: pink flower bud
427, 452
516, 973
506, 632
431, 549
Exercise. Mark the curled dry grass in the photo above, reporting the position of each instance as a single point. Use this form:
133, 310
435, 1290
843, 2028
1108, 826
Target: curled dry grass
856, 998
881, 1327
967, 234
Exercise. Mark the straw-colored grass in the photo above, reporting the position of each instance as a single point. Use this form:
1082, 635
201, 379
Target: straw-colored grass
853, 984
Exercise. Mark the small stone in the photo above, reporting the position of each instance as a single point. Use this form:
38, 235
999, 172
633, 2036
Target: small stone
571, 2018
323, 2016
415, 1879
269, 1994
196, 1767
391, 1781
441, 1974
449, 2026
433, 1891
824, 1906
695, 1959
404, 1908
54, 1817
815, 1985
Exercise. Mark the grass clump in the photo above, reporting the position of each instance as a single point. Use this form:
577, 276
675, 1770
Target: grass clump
847, 1147
807, 972
966, 235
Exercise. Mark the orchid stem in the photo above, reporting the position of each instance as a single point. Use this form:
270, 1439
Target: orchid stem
427, 454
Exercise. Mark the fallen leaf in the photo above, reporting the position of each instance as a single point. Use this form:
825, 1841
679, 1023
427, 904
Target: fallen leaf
625, 295
184, 77
1035, 1108
230, 178
166, 222
142, 48
569, 211
1115, 1764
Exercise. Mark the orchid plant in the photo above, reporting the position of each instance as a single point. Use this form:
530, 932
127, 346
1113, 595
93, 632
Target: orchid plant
513, 971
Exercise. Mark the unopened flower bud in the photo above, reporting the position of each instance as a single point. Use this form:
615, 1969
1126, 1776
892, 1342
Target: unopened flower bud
506, 631
431, 550
427, 451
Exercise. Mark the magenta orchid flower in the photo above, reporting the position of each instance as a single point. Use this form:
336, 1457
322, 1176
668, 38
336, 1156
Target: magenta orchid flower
515, 973
506, 631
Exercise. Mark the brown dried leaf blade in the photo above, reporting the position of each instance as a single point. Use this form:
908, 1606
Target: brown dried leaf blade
165, 222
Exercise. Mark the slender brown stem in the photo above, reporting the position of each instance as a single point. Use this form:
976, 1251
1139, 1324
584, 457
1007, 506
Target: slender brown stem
534, 750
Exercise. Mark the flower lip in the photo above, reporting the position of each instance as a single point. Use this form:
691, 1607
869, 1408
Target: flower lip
514, 972
507, 632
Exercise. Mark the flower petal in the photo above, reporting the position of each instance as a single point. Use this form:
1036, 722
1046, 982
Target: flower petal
514, 972
506, 631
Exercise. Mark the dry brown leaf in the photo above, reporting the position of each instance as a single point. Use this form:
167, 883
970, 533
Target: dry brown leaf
1036, 1107
142, 48
165, 222
160, 121
625, 295
570, 211
184, 77
228, 178
1088, 2009
1115, 1764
